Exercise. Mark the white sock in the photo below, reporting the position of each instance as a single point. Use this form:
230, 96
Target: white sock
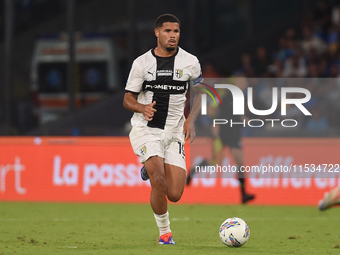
163, 223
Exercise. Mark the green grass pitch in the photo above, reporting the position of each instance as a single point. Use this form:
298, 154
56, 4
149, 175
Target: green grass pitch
60, 228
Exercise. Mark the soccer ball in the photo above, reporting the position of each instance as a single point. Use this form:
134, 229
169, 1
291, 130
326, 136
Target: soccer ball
234, 232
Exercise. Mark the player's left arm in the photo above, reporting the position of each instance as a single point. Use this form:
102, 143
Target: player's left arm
189, 124
189, 127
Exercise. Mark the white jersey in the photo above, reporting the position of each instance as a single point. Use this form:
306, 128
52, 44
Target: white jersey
166, 81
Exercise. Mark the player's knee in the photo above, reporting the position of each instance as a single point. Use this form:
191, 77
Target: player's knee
159, 183
174, 196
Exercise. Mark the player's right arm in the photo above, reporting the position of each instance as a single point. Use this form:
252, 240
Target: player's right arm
130, 103
133, 88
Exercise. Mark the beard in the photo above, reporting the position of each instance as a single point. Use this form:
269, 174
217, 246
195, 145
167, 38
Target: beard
170, 49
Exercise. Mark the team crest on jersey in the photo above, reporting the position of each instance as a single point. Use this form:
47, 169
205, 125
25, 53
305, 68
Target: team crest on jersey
143, 150
179, 73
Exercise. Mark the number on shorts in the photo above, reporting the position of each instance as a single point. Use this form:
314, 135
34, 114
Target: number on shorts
181, 149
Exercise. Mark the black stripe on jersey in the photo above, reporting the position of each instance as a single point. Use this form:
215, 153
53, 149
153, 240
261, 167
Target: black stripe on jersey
162, 95
162, 107
164, 77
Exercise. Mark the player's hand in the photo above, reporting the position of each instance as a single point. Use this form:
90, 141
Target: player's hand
148, 111
192, 133
189, 130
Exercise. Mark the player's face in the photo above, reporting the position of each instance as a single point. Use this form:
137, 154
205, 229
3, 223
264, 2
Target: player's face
168, 36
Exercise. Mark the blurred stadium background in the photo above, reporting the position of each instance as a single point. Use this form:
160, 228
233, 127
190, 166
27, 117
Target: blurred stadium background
61, 107
63, 129
257, 38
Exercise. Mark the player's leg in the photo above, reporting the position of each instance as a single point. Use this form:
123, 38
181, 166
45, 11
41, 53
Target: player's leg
236, 150
193, 170
175, 169
150, 149
216, 158
159, 190
176, 181
231, 137
237, 153
144, 174
331, 198
175, 176
174, 159
156, 172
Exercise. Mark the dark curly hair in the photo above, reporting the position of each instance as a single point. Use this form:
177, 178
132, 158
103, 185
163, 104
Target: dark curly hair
166, 18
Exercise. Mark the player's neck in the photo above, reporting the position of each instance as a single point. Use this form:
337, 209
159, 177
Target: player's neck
160, 52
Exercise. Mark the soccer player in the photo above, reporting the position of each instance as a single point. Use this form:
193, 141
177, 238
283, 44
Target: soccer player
330, 199
156, 93
228, 136
231, 137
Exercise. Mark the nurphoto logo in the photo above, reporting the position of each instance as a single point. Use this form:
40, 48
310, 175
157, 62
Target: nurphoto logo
239, 102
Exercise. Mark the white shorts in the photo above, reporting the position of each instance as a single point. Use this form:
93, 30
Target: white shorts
147, 142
